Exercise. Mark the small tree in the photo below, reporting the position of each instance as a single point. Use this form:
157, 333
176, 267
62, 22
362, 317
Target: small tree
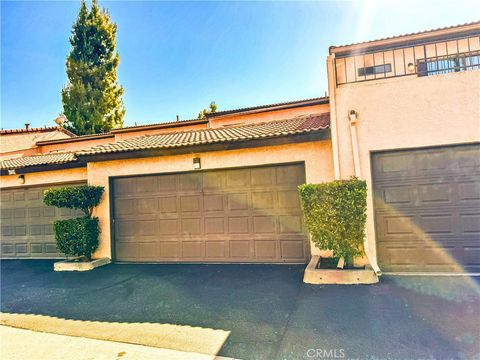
335, 214
77, 236
212, 109
92, 99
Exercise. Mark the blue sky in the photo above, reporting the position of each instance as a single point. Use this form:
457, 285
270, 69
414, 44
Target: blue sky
177, 57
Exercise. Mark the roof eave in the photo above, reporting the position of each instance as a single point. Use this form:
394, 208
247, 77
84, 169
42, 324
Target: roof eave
75, 139
43, 167
448, 33
313, 135
159, 126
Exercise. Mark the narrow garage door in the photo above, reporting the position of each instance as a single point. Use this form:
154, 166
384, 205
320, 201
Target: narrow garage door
238, 215
27, 224
427, 209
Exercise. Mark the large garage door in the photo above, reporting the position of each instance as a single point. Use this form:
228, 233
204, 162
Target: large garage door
27, 224
238, 215
427, 209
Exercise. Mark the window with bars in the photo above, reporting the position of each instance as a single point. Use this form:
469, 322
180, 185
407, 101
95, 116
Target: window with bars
448, 64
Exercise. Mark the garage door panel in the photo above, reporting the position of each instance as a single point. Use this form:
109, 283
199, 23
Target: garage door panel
190, 182
438, 224
264, 224
238, 225
214, 225
263, 200
427, 219
394, 196
469, 191
292, 224
263, 177
238, 201
437, 193
292, 249
215, 249
238, 179
213, 202
469, 158
290, 175
470, 224
239, 215
190, 203
265, 249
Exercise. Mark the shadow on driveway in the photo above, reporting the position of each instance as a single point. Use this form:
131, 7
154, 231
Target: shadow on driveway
270, 313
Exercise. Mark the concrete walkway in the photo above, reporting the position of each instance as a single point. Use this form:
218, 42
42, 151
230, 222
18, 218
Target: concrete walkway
20, 344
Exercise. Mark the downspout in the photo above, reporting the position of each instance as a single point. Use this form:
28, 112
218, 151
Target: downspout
353, 118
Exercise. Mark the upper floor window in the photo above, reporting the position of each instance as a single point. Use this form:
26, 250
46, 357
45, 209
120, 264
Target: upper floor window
373, 70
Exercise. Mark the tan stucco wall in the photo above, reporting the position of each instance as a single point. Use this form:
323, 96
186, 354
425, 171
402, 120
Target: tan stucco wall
23, 141
404, 112
74, 145
268, 115
316, 155
45, 178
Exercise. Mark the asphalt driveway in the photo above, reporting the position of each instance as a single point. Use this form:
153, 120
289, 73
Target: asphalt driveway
271, 314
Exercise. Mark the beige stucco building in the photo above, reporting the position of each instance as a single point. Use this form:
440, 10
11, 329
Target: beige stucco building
403, 113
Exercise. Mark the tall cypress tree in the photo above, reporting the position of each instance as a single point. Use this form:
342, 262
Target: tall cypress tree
92, 99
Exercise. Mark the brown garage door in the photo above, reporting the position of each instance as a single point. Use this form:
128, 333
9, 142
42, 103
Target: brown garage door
27, 224
238, 215
427, 209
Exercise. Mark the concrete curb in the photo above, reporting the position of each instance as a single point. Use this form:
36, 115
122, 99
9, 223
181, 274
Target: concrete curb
69, 265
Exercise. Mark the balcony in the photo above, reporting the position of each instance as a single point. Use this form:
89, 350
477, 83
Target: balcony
429, 59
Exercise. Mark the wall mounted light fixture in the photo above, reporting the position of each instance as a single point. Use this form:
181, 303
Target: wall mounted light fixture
352, 116
21, 179
196, 163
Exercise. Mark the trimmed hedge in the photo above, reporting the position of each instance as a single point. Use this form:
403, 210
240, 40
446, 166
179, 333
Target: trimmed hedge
83, 197
78, 236
335, 214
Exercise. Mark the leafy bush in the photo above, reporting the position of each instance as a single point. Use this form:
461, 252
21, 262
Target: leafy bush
78, 236
335, 214
83, 197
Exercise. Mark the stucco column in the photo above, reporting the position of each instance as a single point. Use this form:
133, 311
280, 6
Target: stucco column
333, 114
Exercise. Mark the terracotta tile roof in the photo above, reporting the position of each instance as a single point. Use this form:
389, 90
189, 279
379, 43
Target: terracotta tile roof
37, 160
297, 125
288, 104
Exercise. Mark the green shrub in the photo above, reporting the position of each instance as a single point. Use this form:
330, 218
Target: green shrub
335, 215
78, 236
83, 197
